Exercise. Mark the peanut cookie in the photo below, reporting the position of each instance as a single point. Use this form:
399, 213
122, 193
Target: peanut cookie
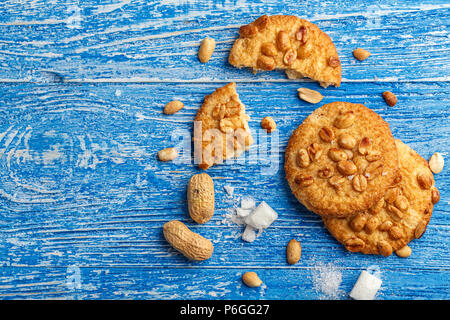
221, 128
288, 43
341, 159
399, 217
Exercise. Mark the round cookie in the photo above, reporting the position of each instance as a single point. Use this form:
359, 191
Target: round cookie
341, 159
399, 217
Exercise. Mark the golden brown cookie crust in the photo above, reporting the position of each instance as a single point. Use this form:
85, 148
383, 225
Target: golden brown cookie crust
224, 127
399, 217
341, 159
287, 43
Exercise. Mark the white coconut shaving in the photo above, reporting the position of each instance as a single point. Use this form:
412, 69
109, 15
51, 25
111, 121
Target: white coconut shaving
249, 234
243, 212
255, 219
262, 217
366, 287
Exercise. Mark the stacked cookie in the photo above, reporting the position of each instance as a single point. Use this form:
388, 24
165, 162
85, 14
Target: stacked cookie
283, 42
374, 193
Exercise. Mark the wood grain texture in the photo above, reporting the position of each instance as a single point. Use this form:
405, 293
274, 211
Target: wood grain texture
158, 41
176, 283
83, 196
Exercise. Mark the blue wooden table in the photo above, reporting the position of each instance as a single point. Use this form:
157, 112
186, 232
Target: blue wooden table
83, 197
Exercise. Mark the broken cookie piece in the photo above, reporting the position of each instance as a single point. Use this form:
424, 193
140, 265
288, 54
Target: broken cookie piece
221, 128
287, 43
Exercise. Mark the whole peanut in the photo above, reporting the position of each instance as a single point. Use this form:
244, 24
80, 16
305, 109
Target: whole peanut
192, 245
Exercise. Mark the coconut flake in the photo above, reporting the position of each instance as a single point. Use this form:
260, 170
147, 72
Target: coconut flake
262, 217
247, 203
237, 219
249, 234
243, 212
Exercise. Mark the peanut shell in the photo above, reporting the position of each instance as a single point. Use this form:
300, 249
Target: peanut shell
192, 245
200, 195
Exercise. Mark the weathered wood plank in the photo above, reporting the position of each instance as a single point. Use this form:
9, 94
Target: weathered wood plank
80, 186
205, 283
80, 182
145, 41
